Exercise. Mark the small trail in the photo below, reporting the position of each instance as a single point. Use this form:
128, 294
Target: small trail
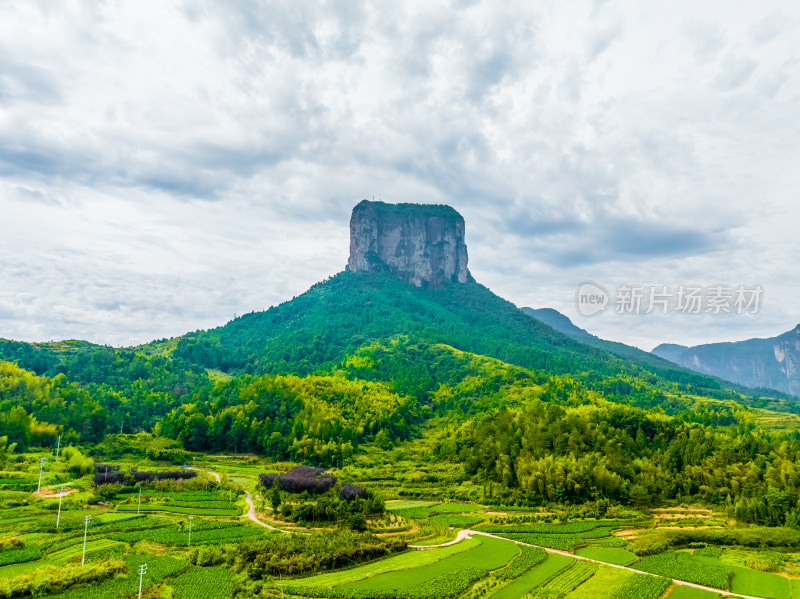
251, 514
211, 472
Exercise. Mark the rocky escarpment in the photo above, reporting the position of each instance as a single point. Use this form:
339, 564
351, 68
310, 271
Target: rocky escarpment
773, 363
421, 244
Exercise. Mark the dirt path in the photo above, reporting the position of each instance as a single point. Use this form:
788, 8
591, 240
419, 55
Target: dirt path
211, 472
50, 493
586, 559
251, 514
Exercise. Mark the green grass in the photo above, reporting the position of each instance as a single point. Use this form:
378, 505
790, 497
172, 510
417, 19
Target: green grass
683, 592
170, 509
551, 566
65, 554
404, 504
403, 561
204, 583
609, 555
760, 584
602, 585
455, 508
490, 554
17, 569
456, 520
685, 566
571, 577
642, 586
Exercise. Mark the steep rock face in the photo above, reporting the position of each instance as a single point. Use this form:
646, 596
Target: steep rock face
421, 244
773, 363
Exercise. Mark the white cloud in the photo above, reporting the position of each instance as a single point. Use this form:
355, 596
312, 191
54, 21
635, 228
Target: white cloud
163, 165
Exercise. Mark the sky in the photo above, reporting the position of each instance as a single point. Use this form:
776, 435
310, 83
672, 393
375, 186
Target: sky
165, 166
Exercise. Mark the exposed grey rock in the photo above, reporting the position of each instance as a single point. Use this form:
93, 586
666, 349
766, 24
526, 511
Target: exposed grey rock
421, 244
772, 363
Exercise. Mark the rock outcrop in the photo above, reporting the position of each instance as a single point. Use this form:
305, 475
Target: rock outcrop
421, 244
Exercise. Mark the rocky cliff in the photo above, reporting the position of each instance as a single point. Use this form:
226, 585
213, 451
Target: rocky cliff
772, 363
421, 244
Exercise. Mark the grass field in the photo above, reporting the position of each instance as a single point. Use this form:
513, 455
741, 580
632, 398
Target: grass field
760, 584
404, 504
203, 583
684, 592
172, 509
609, 555
603, 585
457, 520
455, 508
403, 561
65, 554
490, 554
537, 576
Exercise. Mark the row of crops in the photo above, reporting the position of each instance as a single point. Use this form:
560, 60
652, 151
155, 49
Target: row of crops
195, 503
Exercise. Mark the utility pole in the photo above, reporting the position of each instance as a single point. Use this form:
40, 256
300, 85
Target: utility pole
60, 496
190, 530
58, 447
85, 530
41, 467
139, 507
142, 572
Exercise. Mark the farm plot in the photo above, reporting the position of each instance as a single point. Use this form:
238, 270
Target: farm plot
178, 509
683, 592
527, 559
642, 586
609, 555
456, 520
158, 568
602, 585
760, 584
203, 583
552, 565
202, 534
443, 578
19, 556
684, 566
405, 504
92, 547
571, 577
403, 561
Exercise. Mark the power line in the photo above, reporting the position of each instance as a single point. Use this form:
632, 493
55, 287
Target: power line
41, 467
85, 530
60, 497
142, 572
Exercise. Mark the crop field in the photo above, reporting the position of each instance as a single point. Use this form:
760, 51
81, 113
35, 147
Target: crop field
405, 504
642, 586
457, 520
92, 547
684, 592
455, 508
603, 585
609, 555
571, 577
175, 509
759, 584
202, 533
684, 566
535, 577
203, 583
404, 561
442, 578
527, 559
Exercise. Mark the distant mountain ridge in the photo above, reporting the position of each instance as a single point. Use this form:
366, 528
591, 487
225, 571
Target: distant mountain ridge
772, 363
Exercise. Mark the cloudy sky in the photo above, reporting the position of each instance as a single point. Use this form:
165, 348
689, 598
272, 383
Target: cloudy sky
166, 165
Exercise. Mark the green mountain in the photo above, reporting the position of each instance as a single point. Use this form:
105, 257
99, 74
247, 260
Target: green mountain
415, 364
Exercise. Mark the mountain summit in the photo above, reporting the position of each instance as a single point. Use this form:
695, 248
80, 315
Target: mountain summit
421, 244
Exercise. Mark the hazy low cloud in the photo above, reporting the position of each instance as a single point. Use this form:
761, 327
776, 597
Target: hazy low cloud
166, 165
